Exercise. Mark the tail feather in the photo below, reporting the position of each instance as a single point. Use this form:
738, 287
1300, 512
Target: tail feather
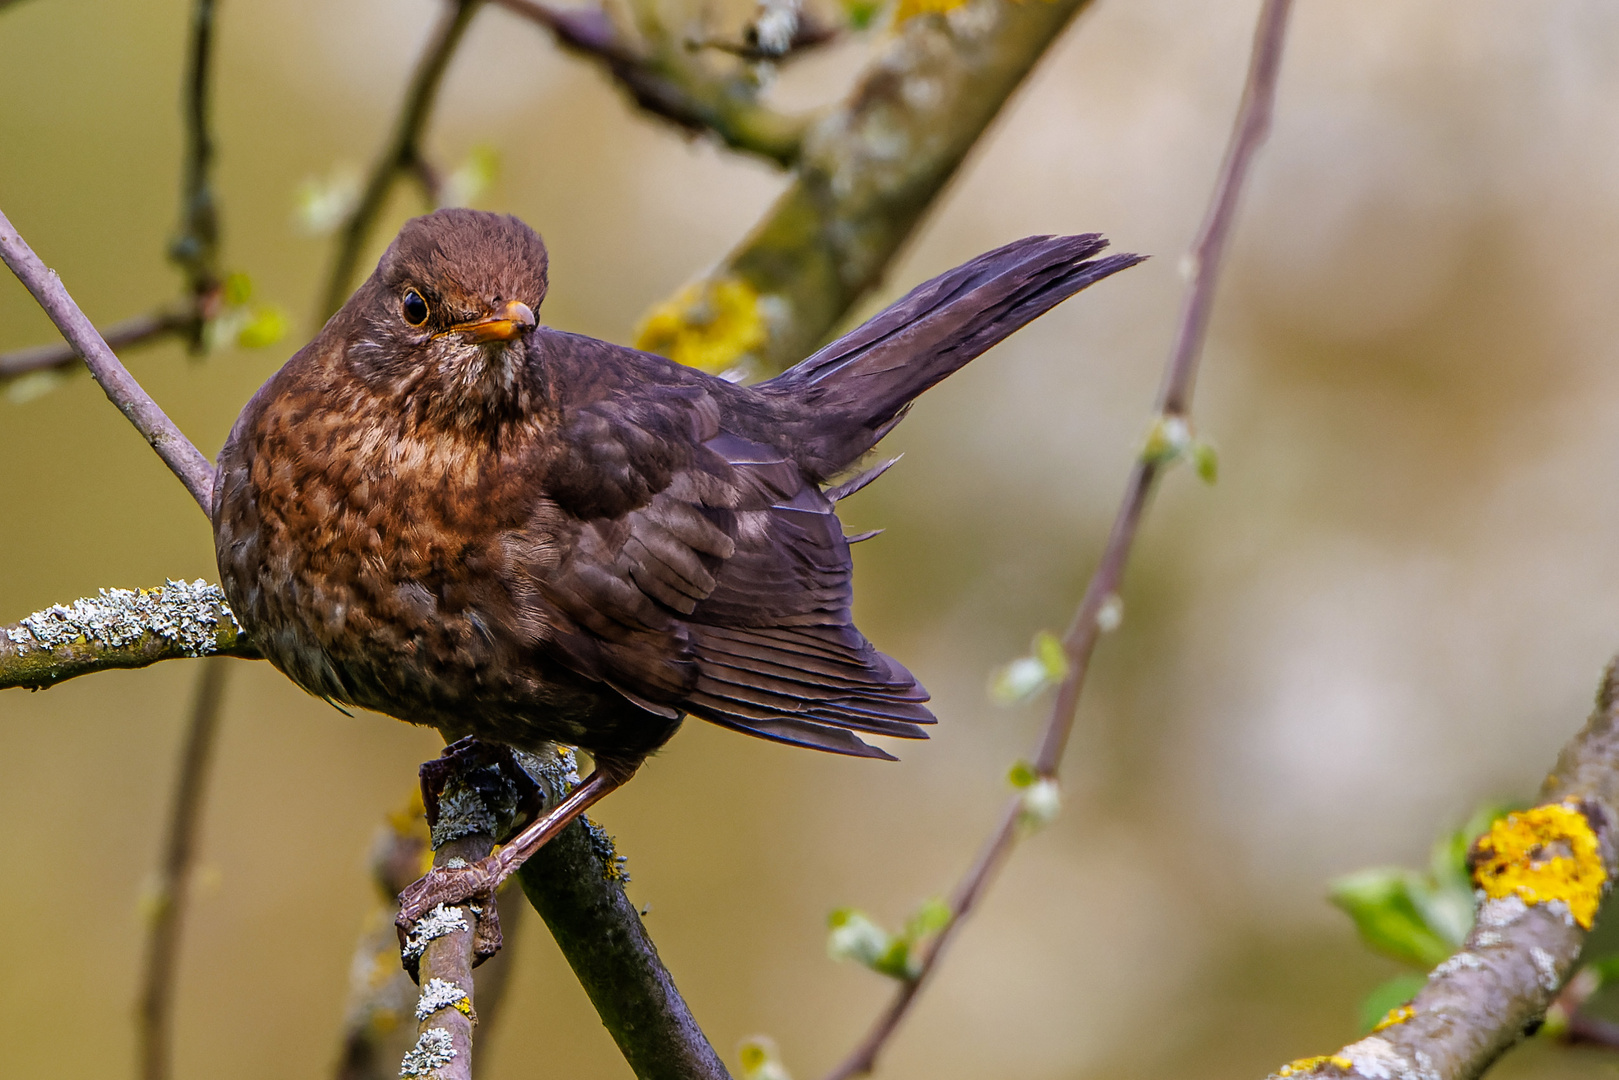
867, 378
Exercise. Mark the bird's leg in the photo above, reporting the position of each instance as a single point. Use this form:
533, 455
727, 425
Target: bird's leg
455, 885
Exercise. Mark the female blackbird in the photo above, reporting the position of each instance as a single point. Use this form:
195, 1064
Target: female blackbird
444, 512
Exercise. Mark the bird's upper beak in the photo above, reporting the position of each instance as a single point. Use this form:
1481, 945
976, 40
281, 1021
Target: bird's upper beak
513, 319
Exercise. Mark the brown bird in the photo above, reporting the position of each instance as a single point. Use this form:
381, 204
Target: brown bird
440, 510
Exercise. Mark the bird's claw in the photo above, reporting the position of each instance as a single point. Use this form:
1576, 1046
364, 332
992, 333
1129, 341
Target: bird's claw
471, 886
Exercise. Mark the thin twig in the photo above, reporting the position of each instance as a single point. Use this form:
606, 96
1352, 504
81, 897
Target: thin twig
1253, 121
154, 1034
195, 247
402, 154
140, 330
177, 451
668, 81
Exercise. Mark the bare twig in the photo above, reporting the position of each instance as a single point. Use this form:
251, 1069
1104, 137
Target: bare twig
154, 1026
120, 628
140, 330
177, 452
195, 247
1253, 121
1540, 874
666, 79
402, 155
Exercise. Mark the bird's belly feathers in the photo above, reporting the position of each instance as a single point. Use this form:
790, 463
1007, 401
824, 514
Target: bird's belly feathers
378, 582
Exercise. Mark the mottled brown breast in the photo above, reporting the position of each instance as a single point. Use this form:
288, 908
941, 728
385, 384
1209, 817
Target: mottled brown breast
366, 556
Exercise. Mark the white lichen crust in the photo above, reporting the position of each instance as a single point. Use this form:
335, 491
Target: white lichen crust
440, 922
434, 1049
1376, 1058
185, 613
438, 994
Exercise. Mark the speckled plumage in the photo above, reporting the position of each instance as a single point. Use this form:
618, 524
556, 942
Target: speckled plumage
526, 535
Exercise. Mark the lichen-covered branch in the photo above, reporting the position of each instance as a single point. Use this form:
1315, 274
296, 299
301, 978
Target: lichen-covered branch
1169, 441
868, 172
177, 451
1540, 875
402, 155
119, 628
169, 897
668, 79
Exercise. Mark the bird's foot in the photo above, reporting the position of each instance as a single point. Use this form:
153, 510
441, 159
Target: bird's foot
428, 909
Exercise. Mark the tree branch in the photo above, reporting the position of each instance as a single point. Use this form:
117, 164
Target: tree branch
1540, 874
154, 1034
140, 330
195, 247
576, 883
120, 628
1079, 643
671, 81
868, 173
177, 452
402, 155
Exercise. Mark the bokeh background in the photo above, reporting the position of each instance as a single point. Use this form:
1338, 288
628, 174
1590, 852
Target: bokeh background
1394, 605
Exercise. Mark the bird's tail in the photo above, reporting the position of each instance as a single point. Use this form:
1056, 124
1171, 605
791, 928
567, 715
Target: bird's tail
857, 388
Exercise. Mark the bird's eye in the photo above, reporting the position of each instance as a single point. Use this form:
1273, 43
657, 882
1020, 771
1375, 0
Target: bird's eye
414, 307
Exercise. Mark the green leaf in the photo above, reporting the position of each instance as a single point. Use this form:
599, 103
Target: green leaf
1169, 438
266, 325
237, 290
469, 180
1390, 995
1040, 803
34, 384
761, 1060
933, 916
324, 203
861, 13
1206, 461
1026, 676
1381, 902
853, 936
1048, 649
1018, 681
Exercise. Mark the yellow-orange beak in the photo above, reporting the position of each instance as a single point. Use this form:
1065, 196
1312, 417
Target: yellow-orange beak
514, 318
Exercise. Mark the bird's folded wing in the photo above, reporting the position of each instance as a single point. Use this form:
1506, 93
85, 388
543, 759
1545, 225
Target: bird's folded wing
724, 593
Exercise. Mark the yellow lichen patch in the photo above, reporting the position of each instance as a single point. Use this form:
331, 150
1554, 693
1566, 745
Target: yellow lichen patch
1310, 1064
1393, 1018
1540, 855
910, 8
464, 1007
708, 325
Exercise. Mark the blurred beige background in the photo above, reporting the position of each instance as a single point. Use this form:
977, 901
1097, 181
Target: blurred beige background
1395, 603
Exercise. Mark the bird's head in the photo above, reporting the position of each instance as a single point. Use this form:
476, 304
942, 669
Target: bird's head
445, 319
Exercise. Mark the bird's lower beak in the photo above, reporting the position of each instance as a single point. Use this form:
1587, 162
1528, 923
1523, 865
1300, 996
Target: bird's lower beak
512, 320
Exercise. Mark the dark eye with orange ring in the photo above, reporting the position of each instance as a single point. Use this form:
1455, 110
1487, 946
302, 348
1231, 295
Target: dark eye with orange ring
414, 307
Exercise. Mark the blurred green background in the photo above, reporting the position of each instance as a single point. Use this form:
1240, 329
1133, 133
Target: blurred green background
1394, 605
